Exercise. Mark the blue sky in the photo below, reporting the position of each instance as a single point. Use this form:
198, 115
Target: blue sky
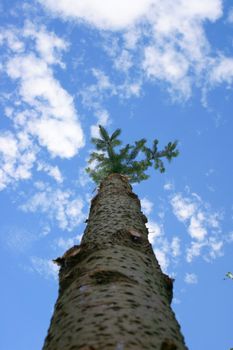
155, 69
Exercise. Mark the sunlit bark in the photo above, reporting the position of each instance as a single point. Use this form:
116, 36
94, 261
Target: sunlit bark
113, 294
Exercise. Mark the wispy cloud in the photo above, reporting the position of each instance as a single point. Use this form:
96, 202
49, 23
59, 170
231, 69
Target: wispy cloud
230, 15
175, 247
147, 206
163, 42
53, 120
155, 230
17, 157
203, 225
191, 278
52, 171
42, 112
205, 238
17, 239
111, 14
94, 96
168, 186
221, 71
66, 243
44, 267
183, 208
59, 206
166, 250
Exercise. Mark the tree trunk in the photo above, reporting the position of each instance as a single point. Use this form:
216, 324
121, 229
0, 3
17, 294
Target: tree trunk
113, 294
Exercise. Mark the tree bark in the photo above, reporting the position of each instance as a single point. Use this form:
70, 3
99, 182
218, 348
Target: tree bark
112, 292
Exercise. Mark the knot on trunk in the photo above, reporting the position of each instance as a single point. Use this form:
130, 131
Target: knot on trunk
69, 255
133, 238
168, 345
110, 276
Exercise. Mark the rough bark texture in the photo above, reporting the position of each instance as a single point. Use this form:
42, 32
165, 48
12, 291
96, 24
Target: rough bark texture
113, 294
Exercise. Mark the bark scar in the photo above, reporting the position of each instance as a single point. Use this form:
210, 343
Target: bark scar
110, 276
168, 345
70, 253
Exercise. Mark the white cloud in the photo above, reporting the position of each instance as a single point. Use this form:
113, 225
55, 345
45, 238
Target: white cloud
42, 108
165, 250
60, 206
230, 237
222, 71
159, 243
230, 15
176, 301
162, 258
124, 61
52, 171
14, 43
92, 98
8, 145
105, 14
102, 119
177, 51
83, 177
183, 208
175, 247
196, 227
103, 82
194, 250
115, 15
162, 41
147, 206
196, 214
155, 230
215, 249
42, 112
191, 278
131, 38
168, 186
66, 243
203, 226
166, 64
47, 44
16, 158
45, 230
210, 249
55, 120
46, 268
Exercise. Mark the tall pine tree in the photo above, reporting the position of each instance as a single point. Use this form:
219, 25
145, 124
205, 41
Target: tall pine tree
112, 292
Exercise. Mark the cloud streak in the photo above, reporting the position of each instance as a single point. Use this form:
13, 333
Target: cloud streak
163, 42
203, 226
61, 207
104, 14
191, 278
41, 111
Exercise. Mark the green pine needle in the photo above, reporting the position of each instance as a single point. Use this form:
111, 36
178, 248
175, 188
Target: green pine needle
107, 160
229, 275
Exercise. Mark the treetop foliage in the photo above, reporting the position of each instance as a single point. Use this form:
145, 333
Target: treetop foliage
130, 160
229, 275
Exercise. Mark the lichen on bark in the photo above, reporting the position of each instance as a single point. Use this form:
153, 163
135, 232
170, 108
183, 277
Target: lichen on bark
112, 292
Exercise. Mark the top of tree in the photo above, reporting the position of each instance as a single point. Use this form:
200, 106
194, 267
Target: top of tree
229, 275
130, 160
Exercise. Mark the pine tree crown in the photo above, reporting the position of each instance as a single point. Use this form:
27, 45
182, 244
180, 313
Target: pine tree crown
130, 160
